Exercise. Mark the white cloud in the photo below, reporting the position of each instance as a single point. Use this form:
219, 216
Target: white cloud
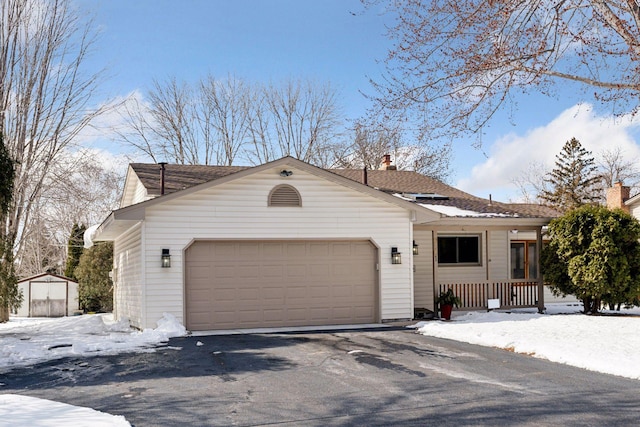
513, 153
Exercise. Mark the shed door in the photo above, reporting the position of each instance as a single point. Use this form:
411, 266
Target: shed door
48, 299
248, 284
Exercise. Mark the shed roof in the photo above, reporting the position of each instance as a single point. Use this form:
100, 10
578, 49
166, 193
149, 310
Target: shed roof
43, 275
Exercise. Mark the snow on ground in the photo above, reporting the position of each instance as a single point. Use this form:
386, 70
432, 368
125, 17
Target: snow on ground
16, 410
608, 343
27, 341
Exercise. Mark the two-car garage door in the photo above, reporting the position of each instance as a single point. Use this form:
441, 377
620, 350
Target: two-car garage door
248, 284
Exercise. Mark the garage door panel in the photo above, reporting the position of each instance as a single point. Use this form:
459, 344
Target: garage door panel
320, 314
220, 249
236, 284
295, 292
274, 315
247, 251
316, 292
223, 295
319, 249
222, 272
248, 271
296, 314
250, 315
295, 271
343, 313
272, 271
342, 249
296, 250
200, 295
342, 291
272, 250
248, 295
319, 272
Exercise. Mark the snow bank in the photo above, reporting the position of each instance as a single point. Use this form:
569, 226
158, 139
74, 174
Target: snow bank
25, 341
17, 410
608, 344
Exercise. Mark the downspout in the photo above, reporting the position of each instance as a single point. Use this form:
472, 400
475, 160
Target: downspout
538, 270
434, 266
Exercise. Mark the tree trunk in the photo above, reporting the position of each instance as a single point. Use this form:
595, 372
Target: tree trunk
4, 314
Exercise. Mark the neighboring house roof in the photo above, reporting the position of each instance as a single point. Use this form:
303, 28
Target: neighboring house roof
409, 185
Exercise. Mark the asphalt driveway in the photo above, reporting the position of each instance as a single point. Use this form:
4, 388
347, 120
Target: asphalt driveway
373, 377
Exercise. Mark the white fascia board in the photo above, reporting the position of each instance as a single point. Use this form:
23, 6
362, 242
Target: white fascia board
493, 222
635, 199
119, 221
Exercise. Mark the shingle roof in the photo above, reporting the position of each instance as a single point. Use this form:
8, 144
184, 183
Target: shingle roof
179, 177
397, 181
531, 209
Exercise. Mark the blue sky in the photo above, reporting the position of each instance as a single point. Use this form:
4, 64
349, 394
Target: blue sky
328, 40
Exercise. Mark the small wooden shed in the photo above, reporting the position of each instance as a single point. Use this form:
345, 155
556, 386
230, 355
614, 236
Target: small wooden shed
48, 295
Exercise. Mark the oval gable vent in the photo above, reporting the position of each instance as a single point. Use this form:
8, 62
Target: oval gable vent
284, 195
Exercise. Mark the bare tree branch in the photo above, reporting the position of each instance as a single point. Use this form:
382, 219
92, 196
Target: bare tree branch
454, 64
45, 97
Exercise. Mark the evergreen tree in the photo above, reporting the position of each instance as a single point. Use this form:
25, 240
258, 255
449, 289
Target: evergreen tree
10, 297
574, 181
75, 247
95, 289
594, 254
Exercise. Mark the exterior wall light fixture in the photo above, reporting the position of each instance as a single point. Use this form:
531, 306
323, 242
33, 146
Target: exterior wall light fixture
166, 258
396, 257
415, 248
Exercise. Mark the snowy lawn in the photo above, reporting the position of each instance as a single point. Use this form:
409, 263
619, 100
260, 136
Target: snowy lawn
18, 410
26, 341
608, 343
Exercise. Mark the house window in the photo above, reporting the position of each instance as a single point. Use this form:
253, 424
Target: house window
459, 249
284, 195
524, 260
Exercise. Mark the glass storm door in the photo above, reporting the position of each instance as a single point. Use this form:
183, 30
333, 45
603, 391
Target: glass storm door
517, 260
524, 262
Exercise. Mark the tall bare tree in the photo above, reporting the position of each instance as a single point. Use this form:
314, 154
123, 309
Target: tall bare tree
174, 117
531, 182
164, 126
222, 120
614, 166
80, 189
372, 142
304, 119
45, 96
226, 116
454, 64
